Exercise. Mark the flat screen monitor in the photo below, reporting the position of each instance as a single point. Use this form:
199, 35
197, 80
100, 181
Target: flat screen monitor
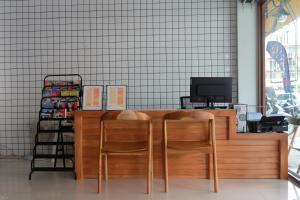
210, 90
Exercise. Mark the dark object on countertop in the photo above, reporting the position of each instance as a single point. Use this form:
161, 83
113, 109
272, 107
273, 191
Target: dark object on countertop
268, 124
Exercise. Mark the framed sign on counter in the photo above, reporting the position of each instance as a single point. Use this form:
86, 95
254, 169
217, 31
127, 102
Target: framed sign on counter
116, 97
92, 97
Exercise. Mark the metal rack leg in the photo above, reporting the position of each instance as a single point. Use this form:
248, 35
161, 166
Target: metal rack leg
63, 149
31, 169
30, 175
57, 149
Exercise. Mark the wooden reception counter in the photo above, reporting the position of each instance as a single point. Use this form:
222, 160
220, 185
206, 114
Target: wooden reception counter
240, 155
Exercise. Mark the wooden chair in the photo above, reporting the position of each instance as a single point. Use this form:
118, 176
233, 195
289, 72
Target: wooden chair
186, 145
127, 146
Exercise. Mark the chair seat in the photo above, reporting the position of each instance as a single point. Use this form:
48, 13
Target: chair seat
204, 147
124, 147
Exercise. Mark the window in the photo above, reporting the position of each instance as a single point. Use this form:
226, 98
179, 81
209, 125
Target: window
278, 61
280, 43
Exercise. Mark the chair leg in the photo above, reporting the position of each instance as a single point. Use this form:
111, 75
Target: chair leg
106, 168
166, 170
294, 133
149, 173
100, 173
215, 171
210, 166
298, 169
152, 171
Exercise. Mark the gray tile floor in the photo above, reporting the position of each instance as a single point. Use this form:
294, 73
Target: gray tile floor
14, 185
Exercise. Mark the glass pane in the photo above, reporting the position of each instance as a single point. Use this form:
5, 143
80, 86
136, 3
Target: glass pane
282, 57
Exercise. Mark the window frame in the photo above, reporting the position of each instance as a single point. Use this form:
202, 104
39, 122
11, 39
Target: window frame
261, 55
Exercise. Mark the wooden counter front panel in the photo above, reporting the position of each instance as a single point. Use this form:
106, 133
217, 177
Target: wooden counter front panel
90, 145
238, 158
248, 159
234, 161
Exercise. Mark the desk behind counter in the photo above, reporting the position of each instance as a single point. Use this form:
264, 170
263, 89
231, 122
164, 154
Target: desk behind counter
244, 155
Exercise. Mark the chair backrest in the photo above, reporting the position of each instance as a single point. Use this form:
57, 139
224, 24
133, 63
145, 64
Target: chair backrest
125, 115
189, 125
126, 125
189, 115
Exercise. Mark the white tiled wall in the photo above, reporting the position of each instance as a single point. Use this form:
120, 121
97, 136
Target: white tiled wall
153, 46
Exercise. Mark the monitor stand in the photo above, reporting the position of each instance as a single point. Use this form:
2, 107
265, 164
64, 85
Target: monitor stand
210, 105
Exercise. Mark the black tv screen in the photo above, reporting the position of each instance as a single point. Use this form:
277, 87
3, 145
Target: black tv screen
211, 89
